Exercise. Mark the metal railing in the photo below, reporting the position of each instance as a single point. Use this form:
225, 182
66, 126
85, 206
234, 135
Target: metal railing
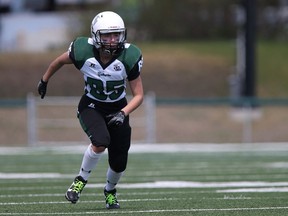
144, 119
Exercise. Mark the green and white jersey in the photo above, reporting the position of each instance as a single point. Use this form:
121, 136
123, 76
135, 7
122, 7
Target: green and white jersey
105, 83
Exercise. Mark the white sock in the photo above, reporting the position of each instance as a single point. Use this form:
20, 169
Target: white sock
89, 162
112, 179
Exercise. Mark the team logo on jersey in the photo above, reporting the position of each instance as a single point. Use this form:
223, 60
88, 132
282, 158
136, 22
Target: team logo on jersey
92, 65
117, 67
103, 74
91, 105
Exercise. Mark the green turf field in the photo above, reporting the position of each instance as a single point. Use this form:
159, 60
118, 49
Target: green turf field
203, 182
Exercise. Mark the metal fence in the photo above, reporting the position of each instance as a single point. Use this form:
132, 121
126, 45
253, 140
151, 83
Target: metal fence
53, 120
171, 121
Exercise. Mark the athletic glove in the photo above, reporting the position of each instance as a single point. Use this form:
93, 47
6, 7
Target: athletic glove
42, 88
117, 119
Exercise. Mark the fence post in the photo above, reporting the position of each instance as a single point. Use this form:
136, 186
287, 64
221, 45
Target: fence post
31, 120
150, 109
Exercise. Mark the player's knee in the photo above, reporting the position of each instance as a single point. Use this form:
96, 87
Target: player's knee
118, 164
98, 149
99, 143
118, 168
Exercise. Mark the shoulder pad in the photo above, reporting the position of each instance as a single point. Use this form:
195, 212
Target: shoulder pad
130, 55
82, 49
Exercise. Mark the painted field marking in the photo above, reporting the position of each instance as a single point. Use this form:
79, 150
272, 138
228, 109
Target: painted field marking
33, 175
255, 190
99, 195
151, 211
120, 200
160, 184
154, 148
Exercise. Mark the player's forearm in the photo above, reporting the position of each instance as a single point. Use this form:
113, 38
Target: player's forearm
138, 96
56, 65
52, 69
135, 102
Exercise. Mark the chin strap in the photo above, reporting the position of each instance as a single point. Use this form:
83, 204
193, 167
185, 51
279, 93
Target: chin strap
111, 51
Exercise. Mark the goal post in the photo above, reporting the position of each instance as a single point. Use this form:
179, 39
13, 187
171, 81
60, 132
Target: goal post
53, 121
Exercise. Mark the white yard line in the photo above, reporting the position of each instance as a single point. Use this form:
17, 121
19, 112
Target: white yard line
153, 148
255, 190
156, 184
153, 211
190, 184
269, 187
33, 175
99, 194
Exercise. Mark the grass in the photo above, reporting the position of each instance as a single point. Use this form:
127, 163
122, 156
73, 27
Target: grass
214, 182
270, 64
190, 69
272, 69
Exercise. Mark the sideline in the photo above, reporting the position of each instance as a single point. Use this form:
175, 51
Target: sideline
153, 148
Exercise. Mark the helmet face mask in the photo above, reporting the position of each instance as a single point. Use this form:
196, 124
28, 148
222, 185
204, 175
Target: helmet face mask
108, 24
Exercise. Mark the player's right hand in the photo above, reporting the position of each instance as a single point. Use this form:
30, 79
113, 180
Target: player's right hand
42, 88
116, 119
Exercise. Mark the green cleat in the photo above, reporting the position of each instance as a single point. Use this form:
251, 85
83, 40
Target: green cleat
111, 199
74, 191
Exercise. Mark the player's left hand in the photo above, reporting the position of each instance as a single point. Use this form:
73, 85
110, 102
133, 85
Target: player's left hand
42, 88
117, 119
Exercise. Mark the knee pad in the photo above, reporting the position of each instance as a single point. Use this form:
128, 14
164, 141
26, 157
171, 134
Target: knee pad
119, 163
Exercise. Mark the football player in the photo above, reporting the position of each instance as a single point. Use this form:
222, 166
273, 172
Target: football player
107, 63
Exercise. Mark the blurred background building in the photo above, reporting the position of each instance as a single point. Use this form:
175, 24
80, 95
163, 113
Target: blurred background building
27, 25
35, 25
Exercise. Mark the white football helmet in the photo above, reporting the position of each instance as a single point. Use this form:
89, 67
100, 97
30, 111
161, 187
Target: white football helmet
108, 22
